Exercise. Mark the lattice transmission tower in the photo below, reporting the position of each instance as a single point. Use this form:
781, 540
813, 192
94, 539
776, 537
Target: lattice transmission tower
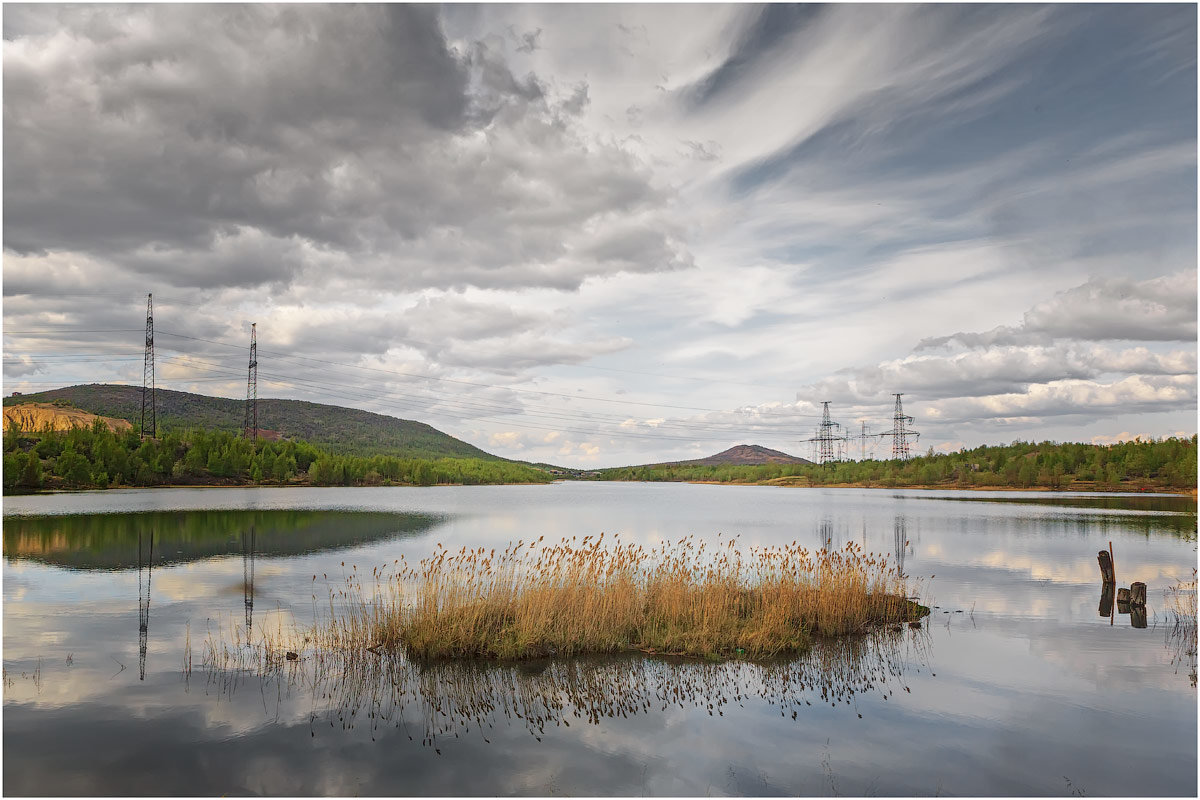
827, 440
250, 428
864, 438
148, 373
900, 432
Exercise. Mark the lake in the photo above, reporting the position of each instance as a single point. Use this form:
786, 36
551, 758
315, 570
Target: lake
1014, 685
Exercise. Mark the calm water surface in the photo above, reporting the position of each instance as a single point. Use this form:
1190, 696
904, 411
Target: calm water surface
1015, 685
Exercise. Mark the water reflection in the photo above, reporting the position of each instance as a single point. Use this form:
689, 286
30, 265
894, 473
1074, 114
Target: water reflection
834, 535
1107, 592
104, 541
451, 699
900, 541
1135, 611
1168, 503
248, 577
1032, 674
1145, 514
145, 563
1137, 616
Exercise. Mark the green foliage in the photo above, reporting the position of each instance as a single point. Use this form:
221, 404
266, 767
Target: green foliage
1166, 463
347, 431
96, 457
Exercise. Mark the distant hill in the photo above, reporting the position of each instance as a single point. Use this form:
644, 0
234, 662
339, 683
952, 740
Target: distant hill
740, 455
341, 430
746, 454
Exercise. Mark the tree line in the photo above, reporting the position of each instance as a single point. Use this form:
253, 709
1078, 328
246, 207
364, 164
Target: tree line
96, 458
1167, 463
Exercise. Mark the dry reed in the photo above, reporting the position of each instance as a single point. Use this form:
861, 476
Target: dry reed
590, 596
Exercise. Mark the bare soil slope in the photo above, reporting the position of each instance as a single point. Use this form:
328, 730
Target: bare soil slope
36, 416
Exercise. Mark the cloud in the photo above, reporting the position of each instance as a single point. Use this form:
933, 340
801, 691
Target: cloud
994, 370
508, 440
1069, 397
269, 145
1156, 309
596, 201
1116, 438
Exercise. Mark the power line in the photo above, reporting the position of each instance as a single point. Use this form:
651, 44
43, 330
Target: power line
452, 406
456, 381
424, 403
463, 411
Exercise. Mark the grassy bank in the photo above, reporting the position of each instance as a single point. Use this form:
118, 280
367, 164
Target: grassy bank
591, 596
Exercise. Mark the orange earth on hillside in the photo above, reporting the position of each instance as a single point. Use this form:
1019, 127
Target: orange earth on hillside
32, 417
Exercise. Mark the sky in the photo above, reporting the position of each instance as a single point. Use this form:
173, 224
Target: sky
597, 235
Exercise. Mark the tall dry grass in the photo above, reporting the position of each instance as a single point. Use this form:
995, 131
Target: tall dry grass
594, 596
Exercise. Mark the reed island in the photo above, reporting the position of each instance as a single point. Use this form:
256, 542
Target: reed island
599, 595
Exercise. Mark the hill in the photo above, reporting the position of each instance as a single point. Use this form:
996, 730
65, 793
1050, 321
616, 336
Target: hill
746, 454
742, 455
36, 416
349, 431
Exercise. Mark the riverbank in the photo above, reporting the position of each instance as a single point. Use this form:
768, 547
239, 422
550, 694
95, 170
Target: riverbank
803, 483
251, 485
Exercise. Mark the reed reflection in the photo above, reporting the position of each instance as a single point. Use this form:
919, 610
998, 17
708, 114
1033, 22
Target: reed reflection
1181, 630
434, 701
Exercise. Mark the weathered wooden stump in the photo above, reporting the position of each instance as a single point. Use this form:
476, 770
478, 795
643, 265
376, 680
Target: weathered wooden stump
1122, 600
1107, 573
1137, 594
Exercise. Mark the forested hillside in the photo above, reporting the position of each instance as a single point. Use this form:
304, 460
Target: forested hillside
1165, 464
339, 430
97, 457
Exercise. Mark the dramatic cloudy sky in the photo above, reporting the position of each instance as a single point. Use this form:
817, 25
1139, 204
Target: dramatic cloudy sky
600, 235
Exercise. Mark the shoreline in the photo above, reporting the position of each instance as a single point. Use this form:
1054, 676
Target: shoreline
1189, 492
1150, 490
65, 490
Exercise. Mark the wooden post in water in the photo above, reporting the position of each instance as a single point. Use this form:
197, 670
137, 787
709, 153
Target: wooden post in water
1137, 594
1113, 559
1122, 600
1106, 599
1107, 573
